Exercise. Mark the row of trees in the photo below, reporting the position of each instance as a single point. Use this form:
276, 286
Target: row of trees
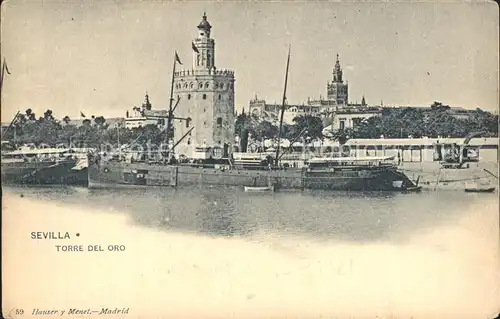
91, 133
438, 120
310, 126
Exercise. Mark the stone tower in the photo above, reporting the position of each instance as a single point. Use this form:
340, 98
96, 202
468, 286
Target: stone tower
337, 88
206, 97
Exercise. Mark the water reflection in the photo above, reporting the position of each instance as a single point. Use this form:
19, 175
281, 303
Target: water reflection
221, 211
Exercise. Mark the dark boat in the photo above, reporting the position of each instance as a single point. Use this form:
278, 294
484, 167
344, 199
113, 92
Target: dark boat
480, 189
333, 174
44, 166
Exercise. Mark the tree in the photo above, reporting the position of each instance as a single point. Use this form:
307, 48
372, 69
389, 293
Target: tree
66, 119
99, 121
266, 130
30, 115
48, 115
312, 124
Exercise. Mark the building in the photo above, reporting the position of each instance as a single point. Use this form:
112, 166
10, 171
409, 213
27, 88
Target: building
349, 117
270, 112
206, 98
144, 115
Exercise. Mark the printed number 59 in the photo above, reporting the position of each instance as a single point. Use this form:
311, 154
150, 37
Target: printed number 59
15, 312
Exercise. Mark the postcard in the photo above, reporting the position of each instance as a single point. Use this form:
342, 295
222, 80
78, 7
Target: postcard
250, 159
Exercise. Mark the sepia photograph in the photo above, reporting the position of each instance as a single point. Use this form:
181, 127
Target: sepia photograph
250, 159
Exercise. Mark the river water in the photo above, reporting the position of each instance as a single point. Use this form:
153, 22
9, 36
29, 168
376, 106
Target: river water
220, 252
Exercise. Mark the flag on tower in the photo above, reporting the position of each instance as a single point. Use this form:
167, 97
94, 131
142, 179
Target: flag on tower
177, 58
195, 49
82, 115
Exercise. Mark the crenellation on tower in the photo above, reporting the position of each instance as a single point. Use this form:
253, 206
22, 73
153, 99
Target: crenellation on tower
206, 95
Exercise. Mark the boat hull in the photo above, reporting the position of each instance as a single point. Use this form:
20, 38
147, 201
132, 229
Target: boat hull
121, 174
44, 173
480, 190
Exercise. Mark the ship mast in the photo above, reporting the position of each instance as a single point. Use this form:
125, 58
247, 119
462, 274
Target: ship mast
282, 108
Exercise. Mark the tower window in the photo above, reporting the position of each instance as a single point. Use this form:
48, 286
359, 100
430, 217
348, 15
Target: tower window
189, 96
189, 141
200, 85
342, 125
219, 122
206, 85
222, 85
220, 97
191, 85
204, 96
185, 85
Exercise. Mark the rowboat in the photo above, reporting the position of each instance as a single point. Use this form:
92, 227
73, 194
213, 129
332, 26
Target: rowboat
479, 189
259, 189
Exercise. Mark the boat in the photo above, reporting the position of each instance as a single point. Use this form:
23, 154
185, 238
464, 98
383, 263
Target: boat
259, 189
480, 190
334, 174
262, 170
33, 166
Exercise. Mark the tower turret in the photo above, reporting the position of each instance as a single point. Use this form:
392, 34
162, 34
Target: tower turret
204, 46
337, 71
146, 105
337, 89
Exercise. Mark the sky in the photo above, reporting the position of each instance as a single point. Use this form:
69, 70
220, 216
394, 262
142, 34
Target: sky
101, 57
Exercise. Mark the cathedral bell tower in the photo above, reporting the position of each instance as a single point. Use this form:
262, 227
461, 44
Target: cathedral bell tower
337, 88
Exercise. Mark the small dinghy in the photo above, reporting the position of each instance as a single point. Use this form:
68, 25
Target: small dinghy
259, 189
478, 188
413, 189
